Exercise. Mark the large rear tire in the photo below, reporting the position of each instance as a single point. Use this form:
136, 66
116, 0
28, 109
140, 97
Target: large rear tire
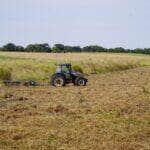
80, 81
58, 80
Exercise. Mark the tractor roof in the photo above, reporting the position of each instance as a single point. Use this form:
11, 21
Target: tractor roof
66, 64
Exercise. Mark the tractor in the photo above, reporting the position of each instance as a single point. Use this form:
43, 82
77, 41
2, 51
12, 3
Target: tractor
65, 75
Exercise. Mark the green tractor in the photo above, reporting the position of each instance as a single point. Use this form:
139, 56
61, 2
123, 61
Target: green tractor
65, 75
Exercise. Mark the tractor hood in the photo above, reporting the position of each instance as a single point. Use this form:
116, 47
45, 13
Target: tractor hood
75, 73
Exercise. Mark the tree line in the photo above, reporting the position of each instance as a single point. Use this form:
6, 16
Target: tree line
60, 48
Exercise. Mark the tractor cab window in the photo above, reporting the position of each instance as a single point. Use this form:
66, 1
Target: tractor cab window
65, 69
58, 69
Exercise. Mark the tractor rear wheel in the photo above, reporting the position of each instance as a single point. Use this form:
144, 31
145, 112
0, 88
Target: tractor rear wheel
80, 81
58, 80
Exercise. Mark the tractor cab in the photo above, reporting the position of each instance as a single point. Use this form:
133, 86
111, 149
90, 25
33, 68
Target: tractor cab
63, 68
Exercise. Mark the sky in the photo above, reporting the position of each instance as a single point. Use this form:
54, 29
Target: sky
109, 23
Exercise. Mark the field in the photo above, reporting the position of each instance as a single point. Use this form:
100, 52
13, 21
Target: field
111, 112
39, 66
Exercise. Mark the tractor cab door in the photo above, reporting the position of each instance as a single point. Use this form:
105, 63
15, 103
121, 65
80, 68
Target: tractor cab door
66, 70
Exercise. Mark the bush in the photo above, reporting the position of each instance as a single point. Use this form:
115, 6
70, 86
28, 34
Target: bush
5, 74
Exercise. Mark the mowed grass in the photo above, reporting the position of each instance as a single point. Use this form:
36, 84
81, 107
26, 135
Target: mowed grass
39, 66
111, 113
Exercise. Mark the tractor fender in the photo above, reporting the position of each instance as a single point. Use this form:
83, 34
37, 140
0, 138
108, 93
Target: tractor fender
58, 74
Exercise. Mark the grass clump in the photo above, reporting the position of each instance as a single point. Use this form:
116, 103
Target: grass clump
5, 74
77, 68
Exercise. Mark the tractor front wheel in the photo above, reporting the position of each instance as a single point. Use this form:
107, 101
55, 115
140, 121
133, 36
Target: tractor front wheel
58, 80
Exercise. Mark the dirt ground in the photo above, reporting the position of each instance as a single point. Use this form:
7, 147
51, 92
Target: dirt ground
112, 112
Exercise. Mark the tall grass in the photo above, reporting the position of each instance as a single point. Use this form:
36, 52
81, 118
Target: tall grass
24, 66
5, 73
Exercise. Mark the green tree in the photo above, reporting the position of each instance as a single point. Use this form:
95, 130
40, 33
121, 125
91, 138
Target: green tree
58, 48
38, 48
119, 50
93, 48
139, 50
147, 51
72, 49
20, 48
9, 47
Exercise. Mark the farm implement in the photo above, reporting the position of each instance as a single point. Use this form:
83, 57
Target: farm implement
17, 83
63, 75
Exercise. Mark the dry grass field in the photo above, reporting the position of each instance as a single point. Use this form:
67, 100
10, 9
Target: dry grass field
112, 112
